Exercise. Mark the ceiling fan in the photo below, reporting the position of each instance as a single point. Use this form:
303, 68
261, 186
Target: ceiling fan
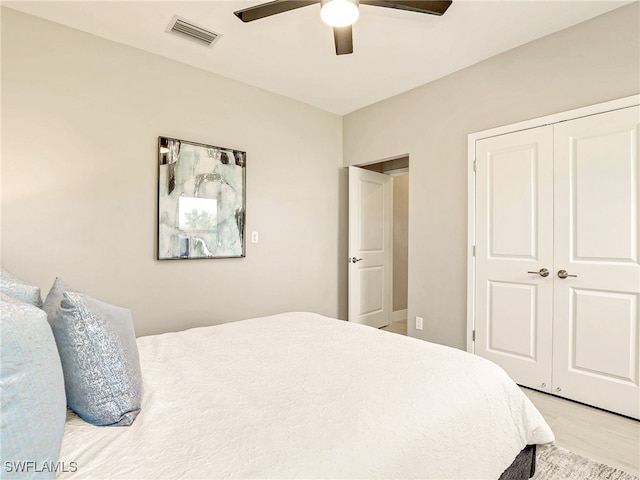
340, 14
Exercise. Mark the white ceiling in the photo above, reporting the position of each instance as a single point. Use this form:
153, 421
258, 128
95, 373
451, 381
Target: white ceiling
293, 54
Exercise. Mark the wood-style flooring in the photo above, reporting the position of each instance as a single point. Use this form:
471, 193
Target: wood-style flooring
601, 436
397, 327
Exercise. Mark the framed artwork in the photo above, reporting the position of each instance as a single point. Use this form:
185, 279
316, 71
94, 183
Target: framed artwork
201, 200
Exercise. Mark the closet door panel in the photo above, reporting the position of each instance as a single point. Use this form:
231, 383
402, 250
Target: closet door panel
514, 221
596, 321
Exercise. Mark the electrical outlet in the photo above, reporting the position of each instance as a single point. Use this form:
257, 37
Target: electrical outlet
419, 323
254, 237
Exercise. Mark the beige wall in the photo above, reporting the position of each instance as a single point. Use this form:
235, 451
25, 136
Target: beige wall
80, 121
592, 62
80, 118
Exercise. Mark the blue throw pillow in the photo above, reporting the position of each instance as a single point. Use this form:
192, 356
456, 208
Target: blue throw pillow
19, 289
34, 408
99, 354
54, 298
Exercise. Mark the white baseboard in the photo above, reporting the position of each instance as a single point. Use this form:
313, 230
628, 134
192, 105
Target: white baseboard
399, 315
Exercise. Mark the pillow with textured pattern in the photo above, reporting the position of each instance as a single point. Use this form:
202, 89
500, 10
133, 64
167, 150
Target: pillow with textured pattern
19, 289
32, 391
99, 355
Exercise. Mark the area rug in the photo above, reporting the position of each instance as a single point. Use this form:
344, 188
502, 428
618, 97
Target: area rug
554, 463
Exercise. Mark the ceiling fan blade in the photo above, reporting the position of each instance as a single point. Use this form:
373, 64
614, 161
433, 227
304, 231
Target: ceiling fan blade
432, 7
271, 8
343, 37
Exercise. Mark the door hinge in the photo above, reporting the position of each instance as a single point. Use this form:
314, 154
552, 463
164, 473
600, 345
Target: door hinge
474, 165
473, 336
474, 250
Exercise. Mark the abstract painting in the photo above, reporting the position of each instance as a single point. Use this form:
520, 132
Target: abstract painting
201, 200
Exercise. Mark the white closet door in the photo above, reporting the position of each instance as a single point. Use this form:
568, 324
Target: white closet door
514, 221
596, 322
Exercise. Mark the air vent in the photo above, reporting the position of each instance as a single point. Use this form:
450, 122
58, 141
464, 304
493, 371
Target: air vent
187, 29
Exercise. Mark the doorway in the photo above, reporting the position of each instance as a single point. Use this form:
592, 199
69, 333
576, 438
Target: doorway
398, 170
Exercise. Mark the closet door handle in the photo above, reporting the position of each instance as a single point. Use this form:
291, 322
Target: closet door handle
564, 274
543, 272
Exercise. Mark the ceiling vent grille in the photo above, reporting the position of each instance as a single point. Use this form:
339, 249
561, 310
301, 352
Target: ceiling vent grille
187, 29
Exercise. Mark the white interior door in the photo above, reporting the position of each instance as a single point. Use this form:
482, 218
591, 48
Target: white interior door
370, 274
514, 243
596, 332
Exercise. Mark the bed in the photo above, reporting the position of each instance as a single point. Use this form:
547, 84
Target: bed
300, 395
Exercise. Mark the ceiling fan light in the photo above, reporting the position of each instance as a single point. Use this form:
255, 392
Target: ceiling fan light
339, 13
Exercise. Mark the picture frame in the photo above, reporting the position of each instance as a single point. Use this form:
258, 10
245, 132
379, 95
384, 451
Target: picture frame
201, 200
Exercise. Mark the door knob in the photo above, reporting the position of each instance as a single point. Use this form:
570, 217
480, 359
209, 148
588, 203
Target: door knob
564, 274
354, 259
543, 272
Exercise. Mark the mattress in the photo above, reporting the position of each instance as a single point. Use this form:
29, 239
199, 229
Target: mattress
299, 395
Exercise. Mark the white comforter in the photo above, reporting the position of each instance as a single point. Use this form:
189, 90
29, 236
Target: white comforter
299, 396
